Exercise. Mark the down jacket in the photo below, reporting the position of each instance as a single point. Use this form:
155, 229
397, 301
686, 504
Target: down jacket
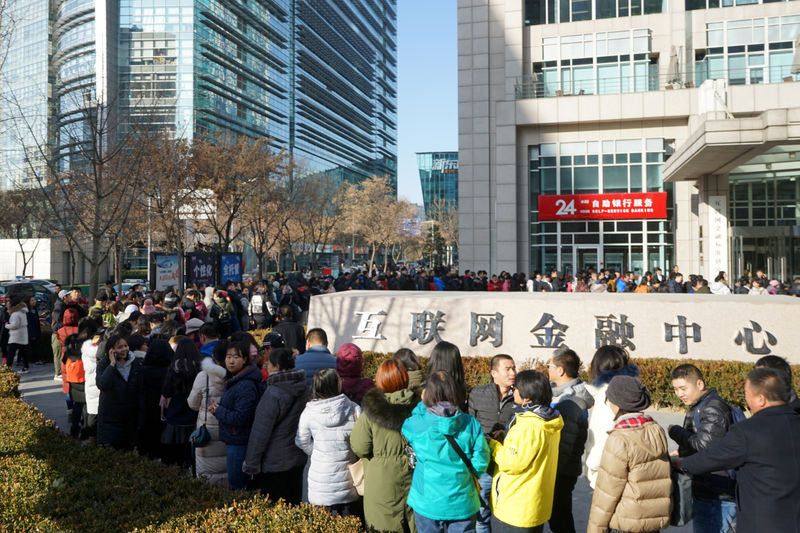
491, 411
715, 419
634, 487
89, 359
210, 458
376, 438
572, 400
527, 459
601, 418
442, 487
324, 434
271, 447
121, 403
237, 406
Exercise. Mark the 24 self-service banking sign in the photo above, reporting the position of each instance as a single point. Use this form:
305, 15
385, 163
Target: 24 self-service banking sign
610, 206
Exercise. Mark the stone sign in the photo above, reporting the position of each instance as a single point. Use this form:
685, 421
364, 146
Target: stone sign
531, 326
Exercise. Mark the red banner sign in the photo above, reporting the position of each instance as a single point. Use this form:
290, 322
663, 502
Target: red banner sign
611, 206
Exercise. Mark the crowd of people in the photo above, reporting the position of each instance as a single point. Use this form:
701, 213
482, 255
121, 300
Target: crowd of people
179, 379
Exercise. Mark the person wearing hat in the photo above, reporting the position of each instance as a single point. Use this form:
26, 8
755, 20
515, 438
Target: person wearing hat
272, 340
634, 488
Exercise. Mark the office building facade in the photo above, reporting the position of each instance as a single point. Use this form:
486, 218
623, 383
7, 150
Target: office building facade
317, 77
438, 176
628, 135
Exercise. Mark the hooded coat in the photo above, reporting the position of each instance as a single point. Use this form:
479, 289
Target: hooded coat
323, 433
350, 365
271, 447
376, 438
119, 416
238, 405
634, 488
601, 418
442, 487
209, 386
527, 460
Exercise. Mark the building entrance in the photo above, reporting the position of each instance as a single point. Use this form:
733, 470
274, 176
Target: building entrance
777, 256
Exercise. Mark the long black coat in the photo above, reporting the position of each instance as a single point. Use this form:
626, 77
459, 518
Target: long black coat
765, 451
121, 405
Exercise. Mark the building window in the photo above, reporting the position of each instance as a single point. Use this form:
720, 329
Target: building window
558, 11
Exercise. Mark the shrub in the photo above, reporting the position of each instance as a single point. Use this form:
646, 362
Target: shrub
49, 483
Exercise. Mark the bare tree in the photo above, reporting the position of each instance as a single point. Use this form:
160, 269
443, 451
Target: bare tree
23, 216
228, 170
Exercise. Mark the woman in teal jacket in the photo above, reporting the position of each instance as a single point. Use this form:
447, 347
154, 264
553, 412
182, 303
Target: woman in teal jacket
443, 493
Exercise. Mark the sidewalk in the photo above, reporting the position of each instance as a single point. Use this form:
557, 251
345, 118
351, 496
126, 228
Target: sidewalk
39, 389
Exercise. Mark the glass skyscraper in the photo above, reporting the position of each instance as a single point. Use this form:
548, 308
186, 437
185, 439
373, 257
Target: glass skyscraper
317, 77
438, 176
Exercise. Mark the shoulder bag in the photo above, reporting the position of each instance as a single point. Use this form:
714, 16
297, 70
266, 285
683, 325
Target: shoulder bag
200, 437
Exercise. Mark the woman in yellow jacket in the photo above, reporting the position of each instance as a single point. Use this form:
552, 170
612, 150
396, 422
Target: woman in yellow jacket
522, 487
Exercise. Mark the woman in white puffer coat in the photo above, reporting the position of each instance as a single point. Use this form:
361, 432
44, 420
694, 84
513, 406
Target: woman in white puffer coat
210, 460
324, 434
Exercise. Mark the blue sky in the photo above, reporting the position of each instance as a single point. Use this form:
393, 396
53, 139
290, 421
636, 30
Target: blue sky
427, 86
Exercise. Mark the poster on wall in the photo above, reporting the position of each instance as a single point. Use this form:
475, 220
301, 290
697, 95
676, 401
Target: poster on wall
608, 206
231, 267
166, 271
201, 268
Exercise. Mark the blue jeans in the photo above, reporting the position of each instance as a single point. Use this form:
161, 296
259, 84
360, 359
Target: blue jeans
713, 516
235, 457
428, 525
484, 518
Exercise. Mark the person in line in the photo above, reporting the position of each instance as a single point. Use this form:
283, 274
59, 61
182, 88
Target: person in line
446, 357
208, 386
272, 455
708, 419
292, 332
350, 365
572, 400
765, 452
119, 379
781, 365
608, 362
316, 355
155, 364
634, 488
416, 377
17, 327
181, 419
75, 378
443, 493
323, 433
376, 438
236, 409
493, 405
527, 459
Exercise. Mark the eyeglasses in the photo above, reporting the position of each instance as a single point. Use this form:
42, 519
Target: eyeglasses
552, 365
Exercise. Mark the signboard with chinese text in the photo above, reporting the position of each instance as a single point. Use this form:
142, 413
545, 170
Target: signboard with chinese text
201, 268
166, 275
609, 206
717, 235
533, 325
230, 267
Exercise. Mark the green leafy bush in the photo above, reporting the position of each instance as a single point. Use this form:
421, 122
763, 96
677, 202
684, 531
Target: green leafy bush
50, 483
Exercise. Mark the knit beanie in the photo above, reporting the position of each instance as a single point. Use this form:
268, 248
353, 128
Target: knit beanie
628, 393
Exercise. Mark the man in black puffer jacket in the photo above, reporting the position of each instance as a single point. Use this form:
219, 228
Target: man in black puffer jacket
573, 401
493, 405
713, 493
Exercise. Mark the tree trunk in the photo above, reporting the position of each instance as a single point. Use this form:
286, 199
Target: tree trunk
94, 271
372, 258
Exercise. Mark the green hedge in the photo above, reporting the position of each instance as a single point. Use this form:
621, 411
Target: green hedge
50, 483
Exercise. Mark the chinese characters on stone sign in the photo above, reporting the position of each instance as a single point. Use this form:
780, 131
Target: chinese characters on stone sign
609, 330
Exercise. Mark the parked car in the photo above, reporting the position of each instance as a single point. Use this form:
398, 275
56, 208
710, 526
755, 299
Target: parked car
45, 299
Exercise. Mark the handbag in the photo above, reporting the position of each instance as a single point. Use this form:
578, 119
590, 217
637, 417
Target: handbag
357, 473
201, 437
467, 462
682, 512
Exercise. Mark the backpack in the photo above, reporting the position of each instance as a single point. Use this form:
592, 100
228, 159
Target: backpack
223, 314
737, 415
352, 393
257, 306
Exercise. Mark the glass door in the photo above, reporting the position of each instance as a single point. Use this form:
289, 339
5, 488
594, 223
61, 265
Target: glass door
585, 258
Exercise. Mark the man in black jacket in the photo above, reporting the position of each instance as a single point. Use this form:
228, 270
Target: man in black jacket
713, 493
573, 401
779, 363
493, 405
765, 451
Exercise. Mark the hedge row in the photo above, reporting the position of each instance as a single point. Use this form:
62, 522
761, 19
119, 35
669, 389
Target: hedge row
50, 483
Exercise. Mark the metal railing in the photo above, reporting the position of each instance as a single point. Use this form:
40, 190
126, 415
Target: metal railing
532, 86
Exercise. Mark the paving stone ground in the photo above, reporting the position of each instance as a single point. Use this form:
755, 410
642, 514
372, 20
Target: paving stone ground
39, 389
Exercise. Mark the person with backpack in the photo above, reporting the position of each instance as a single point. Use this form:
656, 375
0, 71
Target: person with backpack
350, 365
75, 378
708, 419
260, 314
221, 314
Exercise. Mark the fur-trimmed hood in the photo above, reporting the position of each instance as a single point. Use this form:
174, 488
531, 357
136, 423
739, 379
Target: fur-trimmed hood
389, 410
212, 369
